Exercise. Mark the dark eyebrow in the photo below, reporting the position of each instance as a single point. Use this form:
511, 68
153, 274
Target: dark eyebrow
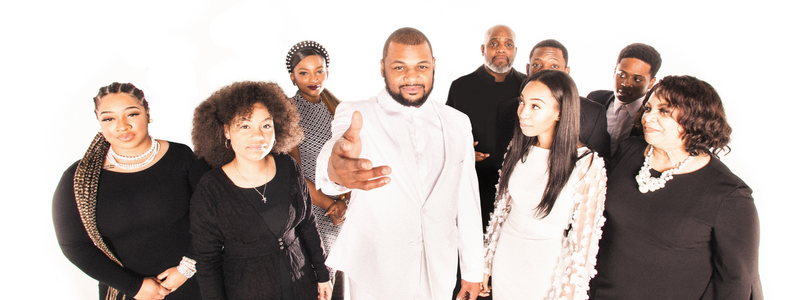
127, 108
320, 67
243, 119
402, 62
537, 99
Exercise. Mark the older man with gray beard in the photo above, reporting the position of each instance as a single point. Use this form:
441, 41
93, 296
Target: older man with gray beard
478, 94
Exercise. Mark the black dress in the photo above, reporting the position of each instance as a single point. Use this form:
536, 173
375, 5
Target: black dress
696, 238
143, 218
238, 254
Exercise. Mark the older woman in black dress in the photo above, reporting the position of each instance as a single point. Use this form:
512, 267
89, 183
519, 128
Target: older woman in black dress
680, 224
122, 212
252, 224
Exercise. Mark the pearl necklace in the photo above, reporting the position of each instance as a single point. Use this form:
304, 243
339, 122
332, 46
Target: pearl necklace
122, 157
264, 194
153, 155
649, 184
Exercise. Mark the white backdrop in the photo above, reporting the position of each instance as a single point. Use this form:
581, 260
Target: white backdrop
56, 54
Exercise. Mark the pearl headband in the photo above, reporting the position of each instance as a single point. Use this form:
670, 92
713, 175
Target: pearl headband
302, 45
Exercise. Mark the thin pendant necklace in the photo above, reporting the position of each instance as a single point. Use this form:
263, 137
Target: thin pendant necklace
650, 184
263, 195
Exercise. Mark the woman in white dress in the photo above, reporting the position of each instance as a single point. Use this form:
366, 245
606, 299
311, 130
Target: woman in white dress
542, 238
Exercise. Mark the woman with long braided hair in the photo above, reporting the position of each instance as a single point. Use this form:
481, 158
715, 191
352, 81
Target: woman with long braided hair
121, 213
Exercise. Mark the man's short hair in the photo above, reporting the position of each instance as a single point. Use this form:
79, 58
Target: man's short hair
552, 44
643, 52
406, 36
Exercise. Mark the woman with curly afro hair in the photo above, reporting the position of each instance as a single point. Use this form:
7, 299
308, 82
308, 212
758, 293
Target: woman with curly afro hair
255, 203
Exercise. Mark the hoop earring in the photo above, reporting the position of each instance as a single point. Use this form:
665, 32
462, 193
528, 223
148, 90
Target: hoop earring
227, 143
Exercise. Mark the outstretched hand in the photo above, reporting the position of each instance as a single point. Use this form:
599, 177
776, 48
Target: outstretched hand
347, 169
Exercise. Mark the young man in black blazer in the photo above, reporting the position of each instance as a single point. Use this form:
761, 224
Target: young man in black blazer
634, 75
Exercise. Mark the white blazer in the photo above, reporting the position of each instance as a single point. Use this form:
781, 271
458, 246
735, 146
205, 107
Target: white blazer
394, 236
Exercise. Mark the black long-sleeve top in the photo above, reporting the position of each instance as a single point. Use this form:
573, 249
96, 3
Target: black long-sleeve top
239, 256
143, 217
478, 95
695, 238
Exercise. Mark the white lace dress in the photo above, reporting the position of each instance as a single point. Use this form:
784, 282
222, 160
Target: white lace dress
532, 258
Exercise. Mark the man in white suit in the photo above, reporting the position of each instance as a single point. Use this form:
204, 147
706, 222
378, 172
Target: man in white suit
414, 215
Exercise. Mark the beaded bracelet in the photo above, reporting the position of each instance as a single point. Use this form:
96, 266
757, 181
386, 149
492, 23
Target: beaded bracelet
187, 267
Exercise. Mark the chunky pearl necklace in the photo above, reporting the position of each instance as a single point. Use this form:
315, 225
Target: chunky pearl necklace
153, 154
122, 157
649, 184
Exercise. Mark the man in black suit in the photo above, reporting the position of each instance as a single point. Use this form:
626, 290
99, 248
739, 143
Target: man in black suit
634, 75
477, 95
551, 54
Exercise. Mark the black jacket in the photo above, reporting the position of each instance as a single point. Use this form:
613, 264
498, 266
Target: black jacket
238, 257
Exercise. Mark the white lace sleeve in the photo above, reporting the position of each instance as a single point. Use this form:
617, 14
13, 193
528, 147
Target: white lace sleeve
496, 220
579, 248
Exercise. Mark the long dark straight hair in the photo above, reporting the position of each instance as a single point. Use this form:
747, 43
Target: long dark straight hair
564, 150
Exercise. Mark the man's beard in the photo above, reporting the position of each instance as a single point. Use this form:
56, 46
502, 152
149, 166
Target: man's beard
405, 102
498, 69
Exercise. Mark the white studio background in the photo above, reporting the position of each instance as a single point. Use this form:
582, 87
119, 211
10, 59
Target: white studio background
56, 54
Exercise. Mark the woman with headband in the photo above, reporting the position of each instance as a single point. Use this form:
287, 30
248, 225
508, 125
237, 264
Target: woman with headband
121, 213
307, 63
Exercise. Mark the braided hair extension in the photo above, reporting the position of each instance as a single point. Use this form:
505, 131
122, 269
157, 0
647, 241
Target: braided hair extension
87, 177
85, 183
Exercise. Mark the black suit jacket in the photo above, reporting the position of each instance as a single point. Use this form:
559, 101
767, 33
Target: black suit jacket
605, 98
477, 95
594, 133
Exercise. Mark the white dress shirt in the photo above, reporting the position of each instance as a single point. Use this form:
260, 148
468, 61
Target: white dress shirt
425, 130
